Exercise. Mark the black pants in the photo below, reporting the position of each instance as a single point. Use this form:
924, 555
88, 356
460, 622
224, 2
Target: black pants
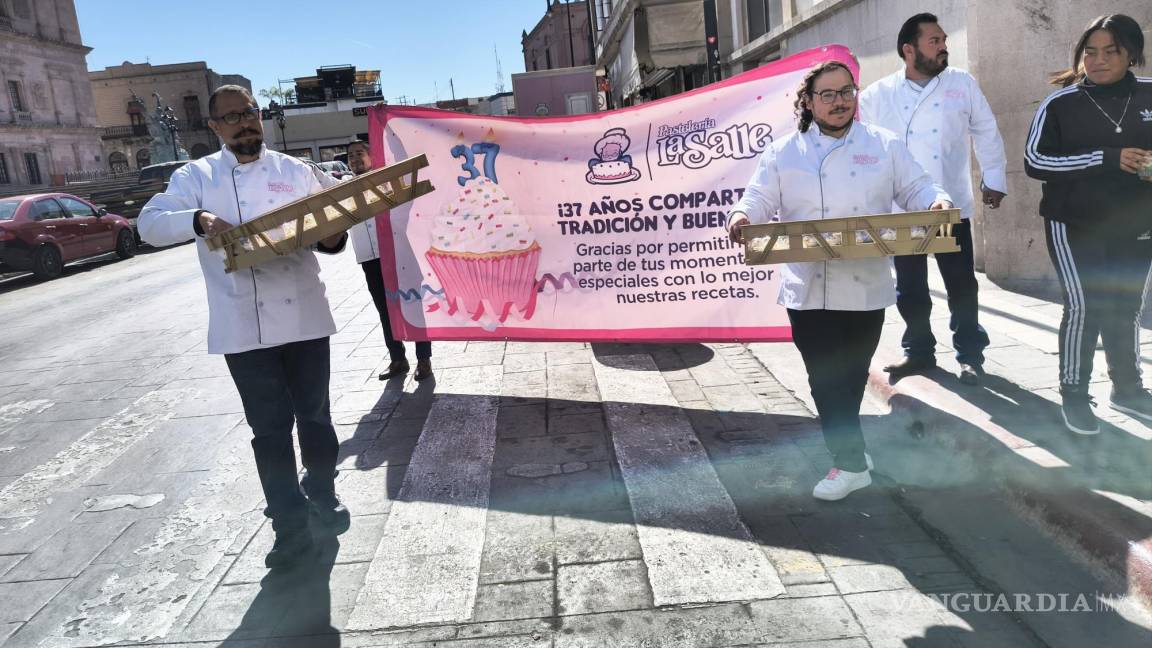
1103, 277
837, 347
376, 289
915, 303
279, 386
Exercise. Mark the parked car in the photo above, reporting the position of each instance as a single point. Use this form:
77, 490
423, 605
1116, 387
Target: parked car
336, 169
128, 201
42, 232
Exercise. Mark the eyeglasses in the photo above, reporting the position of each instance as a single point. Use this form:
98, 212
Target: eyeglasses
249, 114
829, 96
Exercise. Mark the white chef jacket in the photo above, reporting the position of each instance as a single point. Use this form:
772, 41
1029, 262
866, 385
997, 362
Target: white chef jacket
364, 241
936, 123
810, 176
277, 302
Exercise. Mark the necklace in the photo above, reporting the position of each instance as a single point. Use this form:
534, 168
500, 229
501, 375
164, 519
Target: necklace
1115, 122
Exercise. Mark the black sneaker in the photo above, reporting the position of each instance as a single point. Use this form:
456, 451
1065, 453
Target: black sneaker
332, 515
910, 366
1078, 416
1134, 402
289, 548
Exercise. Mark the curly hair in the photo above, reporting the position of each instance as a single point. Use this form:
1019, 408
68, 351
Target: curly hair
804, 93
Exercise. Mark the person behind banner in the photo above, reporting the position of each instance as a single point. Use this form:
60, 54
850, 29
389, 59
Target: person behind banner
937, 110
367, 248
1089, 143
840, 168
271, 322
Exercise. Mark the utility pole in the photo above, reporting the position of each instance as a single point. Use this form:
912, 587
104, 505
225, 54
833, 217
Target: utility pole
571, 51
452, 87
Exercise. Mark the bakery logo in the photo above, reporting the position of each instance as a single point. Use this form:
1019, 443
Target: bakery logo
280, 187
696, 144
612, 164
865, 159
1146, 114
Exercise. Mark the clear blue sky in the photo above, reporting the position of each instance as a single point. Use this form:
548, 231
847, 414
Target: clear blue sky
417, 46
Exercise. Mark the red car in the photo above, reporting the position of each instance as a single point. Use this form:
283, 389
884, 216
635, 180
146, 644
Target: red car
42, 232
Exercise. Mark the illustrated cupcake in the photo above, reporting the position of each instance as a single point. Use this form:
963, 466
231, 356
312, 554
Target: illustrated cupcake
484, 250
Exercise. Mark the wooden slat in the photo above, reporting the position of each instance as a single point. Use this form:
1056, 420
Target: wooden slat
937, 240
253, 233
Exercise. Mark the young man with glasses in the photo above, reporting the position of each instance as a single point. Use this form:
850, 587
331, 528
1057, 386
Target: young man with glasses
271, 322
841, 168
937, 110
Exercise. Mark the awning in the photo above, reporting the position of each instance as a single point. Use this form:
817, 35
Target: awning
676, 34
624, 70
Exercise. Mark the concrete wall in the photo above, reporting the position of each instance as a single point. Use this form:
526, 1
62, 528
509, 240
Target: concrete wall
552, 88
1015, 46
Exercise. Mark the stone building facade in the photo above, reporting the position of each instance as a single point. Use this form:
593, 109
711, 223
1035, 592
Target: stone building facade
47, 115
1010, 47
124, 99
561, 39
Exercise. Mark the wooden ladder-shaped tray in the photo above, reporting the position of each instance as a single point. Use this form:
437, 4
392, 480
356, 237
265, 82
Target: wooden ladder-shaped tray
855, 237
305, 222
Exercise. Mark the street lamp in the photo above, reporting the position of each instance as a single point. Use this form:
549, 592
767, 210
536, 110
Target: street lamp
169, 121
276, 111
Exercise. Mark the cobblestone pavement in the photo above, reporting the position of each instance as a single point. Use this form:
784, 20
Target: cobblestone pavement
534, 494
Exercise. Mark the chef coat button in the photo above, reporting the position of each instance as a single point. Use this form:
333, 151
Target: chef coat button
819, 276
853, 174
933, 130
910, 131
935, 157
905, 107
270, 201
260, 304
287, 301
243, 202
936, 105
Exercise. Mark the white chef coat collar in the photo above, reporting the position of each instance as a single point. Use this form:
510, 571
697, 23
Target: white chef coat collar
230, 158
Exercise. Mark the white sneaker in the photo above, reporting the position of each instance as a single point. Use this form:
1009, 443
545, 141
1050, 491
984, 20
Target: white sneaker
839, 483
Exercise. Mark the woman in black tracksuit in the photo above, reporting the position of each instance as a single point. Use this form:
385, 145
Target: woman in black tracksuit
1089, 143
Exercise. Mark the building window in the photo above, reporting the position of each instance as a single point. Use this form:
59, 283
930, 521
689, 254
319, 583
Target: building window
763, 15
16, 97
192, 112
4, 170
33, 165
118, 162
143, 158
548, 59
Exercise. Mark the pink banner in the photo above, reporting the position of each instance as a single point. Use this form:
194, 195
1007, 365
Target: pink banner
599, 227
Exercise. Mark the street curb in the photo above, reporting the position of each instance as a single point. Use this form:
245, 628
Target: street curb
1116, 538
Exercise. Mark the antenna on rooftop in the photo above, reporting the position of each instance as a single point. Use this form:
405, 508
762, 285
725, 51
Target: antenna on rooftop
499, 71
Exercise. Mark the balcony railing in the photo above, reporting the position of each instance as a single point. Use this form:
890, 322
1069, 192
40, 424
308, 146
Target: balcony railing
116, 132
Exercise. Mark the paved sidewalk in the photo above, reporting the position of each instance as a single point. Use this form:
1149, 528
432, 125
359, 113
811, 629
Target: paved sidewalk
1091, 494
563, 495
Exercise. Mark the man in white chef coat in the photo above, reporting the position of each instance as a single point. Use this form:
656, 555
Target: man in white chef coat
835, 167
937, 110
367, 250
271, 322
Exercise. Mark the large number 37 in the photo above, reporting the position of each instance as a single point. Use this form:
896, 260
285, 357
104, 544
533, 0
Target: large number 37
486, 149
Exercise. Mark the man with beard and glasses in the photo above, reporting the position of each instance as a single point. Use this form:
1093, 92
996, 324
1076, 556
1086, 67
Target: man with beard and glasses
271, 322
367, 248
841, 168
936, 110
